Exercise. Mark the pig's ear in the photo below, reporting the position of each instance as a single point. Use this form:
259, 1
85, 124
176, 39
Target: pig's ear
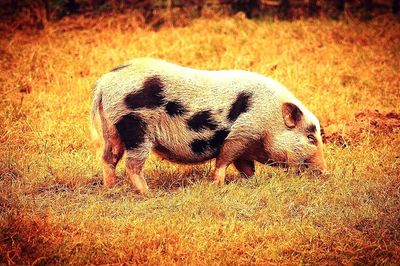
292, 115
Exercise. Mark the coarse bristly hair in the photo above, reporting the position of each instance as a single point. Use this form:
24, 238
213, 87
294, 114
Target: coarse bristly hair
187, 115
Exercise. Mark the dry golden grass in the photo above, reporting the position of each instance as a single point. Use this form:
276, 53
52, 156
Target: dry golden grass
53, 209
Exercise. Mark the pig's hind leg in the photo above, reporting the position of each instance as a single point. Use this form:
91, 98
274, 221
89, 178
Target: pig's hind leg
134, 165
132, 130
112, 154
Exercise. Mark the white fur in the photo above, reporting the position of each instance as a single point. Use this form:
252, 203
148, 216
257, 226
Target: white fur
201, 90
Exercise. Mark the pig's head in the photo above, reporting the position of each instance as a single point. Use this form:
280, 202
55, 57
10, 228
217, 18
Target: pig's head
298, 142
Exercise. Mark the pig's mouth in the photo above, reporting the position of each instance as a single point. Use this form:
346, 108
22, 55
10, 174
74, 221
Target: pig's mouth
303, 166
308, 164
284, 162
299, 167
276, 164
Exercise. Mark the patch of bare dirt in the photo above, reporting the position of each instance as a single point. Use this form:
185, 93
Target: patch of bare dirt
364, 123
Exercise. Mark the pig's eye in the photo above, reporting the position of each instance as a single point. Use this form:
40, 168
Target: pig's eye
312, 139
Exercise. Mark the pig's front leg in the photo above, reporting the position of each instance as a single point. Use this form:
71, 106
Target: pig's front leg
245, 167
230, 151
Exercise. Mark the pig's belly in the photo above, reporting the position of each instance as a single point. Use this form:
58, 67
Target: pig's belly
180, 157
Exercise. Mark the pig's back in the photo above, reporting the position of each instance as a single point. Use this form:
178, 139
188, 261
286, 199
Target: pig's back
188, 112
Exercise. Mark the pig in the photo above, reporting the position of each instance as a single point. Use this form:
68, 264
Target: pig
190, 116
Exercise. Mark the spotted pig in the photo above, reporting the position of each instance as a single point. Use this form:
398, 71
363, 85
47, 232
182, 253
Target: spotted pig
191, 116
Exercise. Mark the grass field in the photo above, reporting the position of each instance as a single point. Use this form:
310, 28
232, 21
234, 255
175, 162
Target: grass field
53, 209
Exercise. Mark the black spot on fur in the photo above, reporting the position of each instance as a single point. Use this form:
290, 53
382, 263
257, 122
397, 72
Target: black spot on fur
150, 96
240, 105
131, 129
311, 129
175, 108
218, 139
202, 120
119, 67
199, 145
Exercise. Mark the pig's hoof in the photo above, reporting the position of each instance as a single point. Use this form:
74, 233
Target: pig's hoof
109, 183
143, 190
218, 182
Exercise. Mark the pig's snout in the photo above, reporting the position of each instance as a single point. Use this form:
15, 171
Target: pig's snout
317, 165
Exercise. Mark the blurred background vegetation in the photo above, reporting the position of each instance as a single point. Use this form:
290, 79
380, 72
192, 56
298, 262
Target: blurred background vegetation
37, 13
